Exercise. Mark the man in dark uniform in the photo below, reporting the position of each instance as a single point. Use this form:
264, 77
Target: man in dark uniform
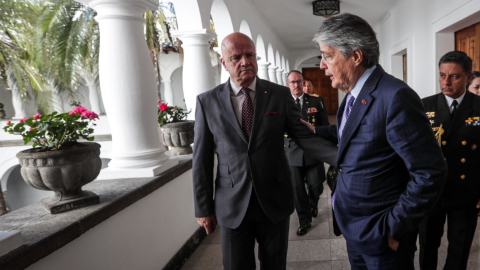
308, 88
305, 168
454, 114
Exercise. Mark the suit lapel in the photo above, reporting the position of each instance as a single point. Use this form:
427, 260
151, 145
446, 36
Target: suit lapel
305, 105
226, 103
262, 96
362, 103
464, 110
442, 113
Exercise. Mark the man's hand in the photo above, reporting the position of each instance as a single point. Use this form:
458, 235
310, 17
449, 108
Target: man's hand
478, 207
312, 128
392, 243
209, 223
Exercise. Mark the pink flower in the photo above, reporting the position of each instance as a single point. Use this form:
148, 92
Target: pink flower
23, 120
36, 116
159, 101
93, 116
89, 115
9, 122
174, 110
33, 128
163, 107
78, 110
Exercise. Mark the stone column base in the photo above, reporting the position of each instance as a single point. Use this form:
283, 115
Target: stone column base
114, 173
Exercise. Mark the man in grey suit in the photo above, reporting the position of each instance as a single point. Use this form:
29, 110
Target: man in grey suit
244, 121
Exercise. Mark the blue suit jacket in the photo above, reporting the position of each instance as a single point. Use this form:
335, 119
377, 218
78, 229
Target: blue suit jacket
392, 168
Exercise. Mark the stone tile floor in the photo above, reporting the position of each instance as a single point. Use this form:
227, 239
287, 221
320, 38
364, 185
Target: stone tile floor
320, 249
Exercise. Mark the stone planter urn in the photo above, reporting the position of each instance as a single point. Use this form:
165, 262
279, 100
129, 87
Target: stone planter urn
178, 136
63, 171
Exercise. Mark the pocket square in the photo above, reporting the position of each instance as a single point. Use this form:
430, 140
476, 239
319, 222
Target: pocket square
272, 114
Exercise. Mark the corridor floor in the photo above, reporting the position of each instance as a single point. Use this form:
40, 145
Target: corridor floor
319, 249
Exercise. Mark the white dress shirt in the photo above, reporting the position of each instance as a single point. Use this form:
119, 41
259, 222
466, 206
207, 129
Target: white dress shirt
301, 100
450, 101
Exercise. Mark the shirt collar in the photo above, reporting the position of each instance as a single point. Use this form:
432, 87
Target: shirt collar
450, 100
236, 88
359, 85
301, 97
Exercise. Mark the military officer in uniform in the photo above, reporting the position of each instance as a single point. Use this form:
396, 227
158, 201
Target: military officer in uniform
304, 168
308, 88
454, 115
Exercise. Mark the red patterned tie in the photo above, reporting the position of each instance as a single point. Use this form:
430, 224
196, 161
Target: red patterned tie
247, 113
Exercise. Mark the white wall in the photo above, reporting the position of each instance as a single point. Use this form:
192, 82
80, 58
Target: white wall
177, 84
425, 29
145, 235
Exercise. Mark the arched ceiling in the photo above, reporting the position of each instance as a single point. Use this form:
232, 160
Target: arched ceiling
295, 24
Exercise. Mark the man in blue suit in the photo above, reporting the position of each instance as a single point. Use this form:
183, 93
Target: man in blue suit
391, 168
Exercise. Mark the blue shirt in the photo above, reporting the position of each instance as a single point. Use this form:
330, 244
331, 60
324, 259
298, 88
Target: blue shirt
359, 85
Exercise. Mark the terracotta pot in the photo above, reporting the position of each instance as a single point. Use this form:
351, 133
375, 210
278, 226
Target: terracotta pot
178, 136
63, 171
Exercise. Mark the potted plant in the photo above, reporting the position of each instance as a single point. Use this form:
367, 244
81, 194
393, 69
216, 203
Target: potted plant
57, 161
2, 112
177, 132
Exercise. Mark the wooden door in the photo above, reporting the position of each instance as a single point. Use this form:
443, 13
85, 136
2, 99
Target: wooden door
467, 40
322, 86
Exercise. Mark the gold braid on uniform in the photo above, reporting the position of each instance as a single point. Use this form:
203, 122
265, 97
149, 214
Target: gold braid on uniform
439, 132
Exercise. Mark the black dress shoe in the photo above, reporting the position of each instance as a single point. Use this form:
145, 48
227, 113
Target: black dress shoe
314, 212
302, 230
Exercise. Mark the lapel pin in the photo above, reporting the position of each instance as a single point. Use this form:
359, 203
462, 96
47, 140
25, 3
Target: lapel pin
364, 102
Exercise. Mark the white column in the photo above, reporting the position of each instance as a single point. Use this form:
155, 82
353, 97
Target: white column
263, 70
168, 92
128, 87
197, 68
18, 105
271, 74
93, 96
285, 78
279, 76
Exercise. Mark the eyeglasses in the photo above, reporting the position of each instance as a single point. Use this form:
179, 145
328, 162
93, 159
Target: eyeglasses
324, 58
294, 82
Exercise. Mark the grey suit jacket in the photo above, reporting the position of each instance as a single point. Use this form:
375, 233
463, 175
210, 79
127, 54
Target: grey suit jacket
243, 164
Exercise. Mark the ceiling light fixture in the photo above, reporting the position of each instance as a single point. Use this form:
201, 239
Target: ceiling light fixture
326, 8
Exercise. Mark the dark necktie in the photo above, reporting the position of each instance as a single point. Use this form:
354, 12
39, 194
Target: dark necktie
297, 102
455, 105
247, 113
346, 114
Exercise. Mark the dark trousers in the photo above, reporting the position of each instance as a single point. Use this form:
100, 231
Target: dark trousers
313, 176
402, 259
238, 244
460, 231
